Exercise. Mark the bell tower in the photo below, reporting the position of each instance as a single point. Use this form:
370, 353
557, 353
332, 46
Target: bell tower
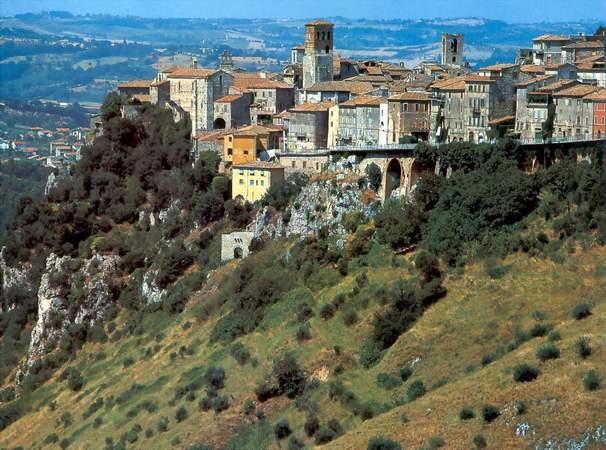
452, 49
317, 61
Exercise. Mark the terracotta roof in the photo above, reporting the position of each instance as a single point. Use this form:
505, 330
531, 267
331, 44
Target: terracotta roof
364, 100
584, 44
285, 115
255, 130
243, 83
478, 79
135, 84
229, 98
217, 135
450, 84
159, 83
142, 97
597, 96
595, 63
528, 82
357, 87
410, 96
532, 68
183, 72
497, 67
501, 120
554, 87
580, 90
551, 37
312, 107
258, 165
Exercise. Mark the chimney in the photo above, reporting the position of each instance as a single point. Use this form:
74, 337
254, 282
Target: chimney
194, 63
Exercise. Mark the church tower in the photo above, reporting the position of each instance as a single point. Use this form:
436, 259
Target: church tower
452, 49
317, 61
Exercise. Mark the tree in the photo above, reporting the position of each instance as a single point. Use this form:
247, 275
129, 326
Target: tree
374, 176
289, 375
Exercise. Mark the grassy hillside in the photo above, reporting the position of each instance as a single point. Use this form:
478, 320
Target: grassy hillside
137, 376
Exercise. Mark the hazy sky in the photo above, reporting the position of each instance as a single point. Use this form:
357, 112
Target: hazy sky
508, 10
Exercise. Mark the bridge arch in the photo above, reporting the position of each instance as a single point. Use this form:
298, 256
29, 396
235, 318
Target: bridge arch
219, 123
394, 176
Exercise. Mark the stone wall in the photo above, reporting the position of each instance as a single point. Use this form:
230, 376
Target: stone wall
235, 245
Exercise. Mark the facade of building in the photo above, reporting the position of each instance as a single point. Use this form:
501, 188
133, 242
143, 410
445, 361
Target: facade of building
598, 100
573, 116
318, 57
308, 126
547, 49
136, 89
245, 144
360, 121
334, 91
408, 115
252, 180
530, 113
232, 111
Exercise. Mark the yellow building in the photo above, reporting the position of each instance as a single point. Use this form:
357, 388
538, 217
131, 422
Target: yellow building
252, 180
243, 145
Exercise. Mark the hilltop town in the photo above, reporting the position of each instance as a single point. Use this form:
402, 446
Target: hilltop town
324, 104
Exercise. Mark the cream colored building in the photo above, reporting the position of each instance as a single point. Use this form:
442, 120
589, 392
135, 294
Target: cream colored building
252, 180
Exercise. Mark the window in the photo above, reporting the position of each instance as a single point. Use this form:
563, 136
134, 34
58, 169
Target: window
261, 173
241, 181
292, 164
262, 182
251, 182
230, 151
304, 164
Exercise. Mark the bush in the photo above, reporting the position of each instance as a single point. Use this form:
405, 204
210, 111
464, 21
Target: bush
128, 362
554, 336
373, 173
524, 373
436, 442
479, 441
490, 413
290, 376
65, 443
240, 353
520, 408
215, 377
303, 333
415, 390
592, 380
220, 403
350, 317
387, 381
181, 414
74, 379
163, 424
328, 432
582, 347
382, 443
311, 425
405, 373
466, 413
282, 429
548, 351
327, 311
540, 329
581, 311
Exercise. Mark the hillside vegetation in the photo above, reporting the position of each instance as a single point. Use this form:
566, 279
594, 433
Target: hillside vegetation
490, 332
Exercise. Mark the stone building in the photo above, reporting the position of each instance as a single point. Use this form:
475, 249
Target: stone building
573, 115
582, 49
547, 49
233, 111
592, 70
598, 100
236, 245
358, 122
446, 122
269, 96
191, 92
530, 115
408, 115
252, 180
302, 162
452, 49
318, 58
308, 126
136, 89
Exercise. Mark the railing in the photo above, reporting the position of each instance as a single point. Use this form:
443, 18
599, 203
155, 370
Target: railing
355, 148
563, 139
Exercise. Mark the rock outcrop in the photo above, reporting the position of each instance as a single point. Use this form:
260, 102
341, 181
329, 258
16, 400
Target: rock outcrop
13, 277
56, 313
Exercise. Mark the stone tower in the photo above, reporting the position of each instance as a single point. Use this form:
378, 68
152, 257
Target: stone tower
452, 49
317, 61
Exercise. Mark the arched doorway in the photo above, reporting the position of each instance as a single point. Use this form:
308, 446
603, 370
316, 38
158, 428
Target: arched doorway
415, 174
238, 253
471, 139
393, 177
219, 123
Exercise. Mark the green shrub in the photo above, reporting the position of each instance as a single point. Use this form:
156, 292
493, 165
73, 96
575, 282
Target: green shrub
548, 351
520, 408
592, 380
415, 390
387, 381
373, 173
382, 443
466, 413
350, 317
311, 425
554, 336
289, 375
327, 311
240, 353
282, 429
479, 441
540, 329
436, 442
181, 414
65, 443
220, 403
524, 373
74, 379
582, 347
581, 311
215, 377
51, 439
405, 373
490, 413
303, 333
328, 432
